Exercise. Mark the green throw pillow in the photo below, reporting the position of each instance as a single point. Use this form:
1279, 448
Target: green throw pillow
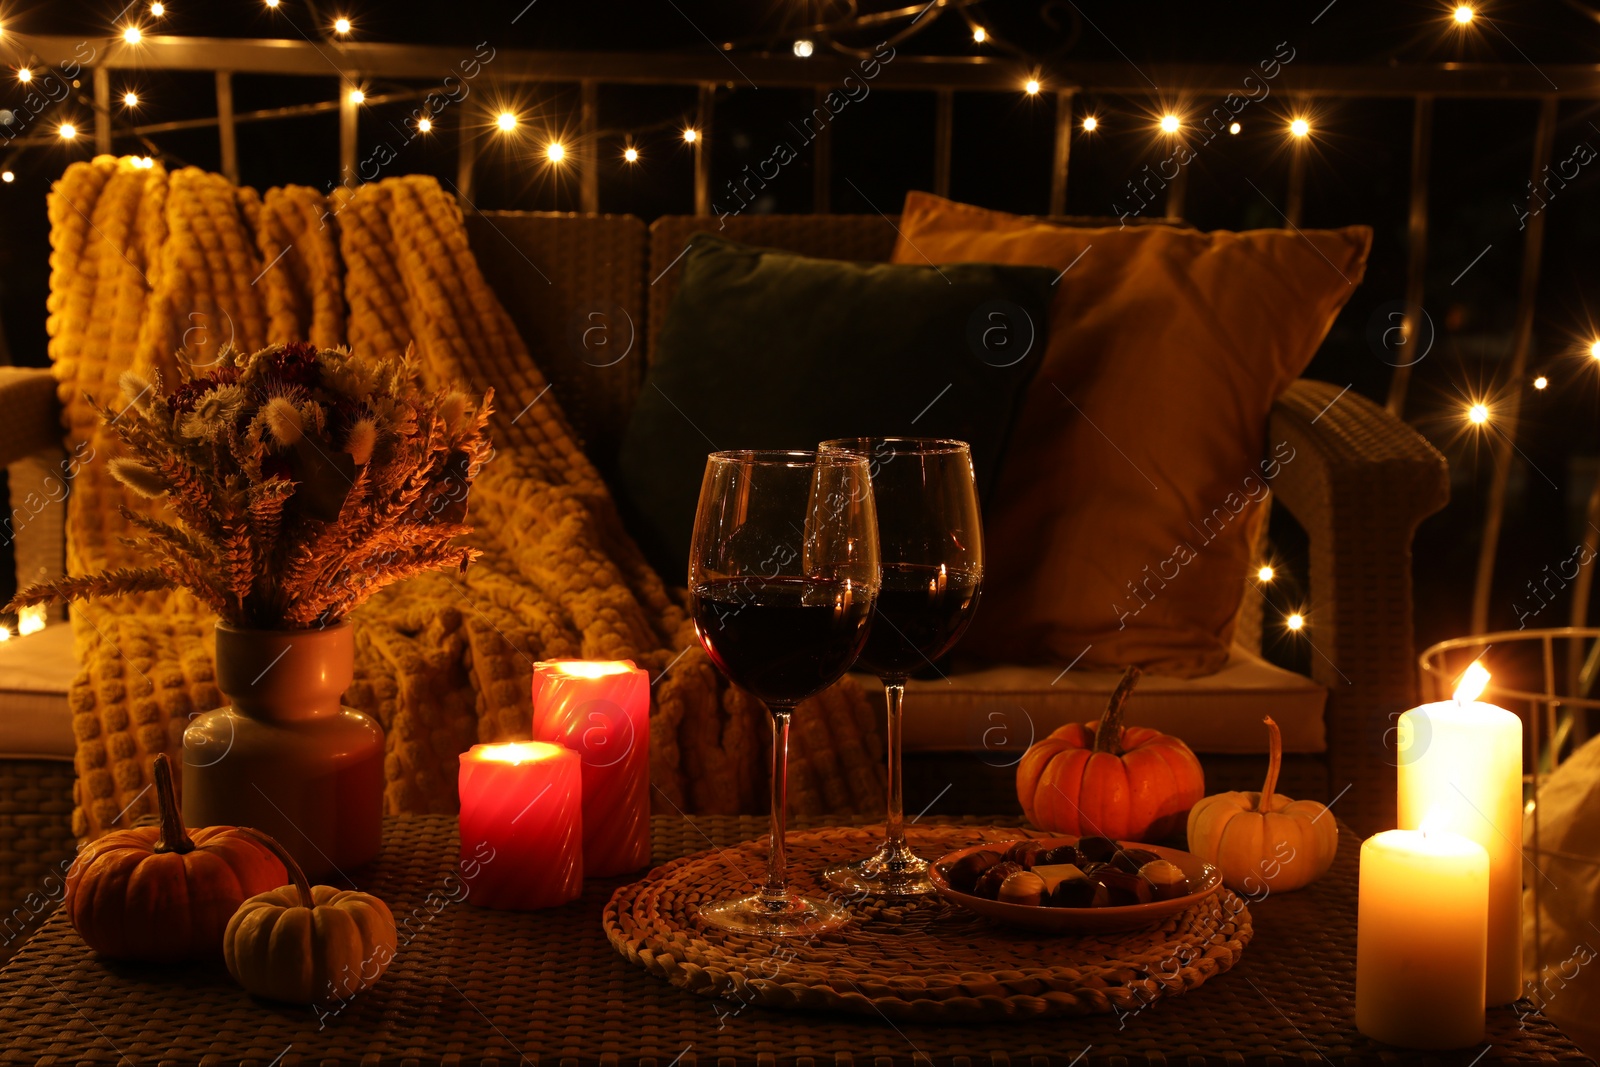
767, 349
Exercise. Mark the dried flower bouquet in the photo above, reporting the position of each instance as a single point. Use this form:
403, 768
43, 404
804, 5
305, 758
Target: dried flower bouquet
302, 482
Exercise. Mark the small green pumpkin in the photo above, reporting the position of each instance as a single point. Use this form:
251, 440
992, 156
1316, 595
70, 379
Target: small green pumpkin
308, 944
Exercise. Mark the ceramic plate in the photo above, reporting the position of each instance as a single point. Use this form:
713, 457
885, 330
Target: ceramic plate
1204, 876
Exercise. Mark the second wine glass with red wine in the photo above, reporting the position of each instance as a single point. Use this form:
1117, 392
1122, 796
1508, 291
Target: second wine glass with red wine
783, 572
930, 539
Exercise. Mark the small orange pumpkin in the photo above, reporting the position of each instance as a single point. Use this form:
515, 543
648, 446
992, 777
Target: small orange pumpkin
159, 895
1107, 780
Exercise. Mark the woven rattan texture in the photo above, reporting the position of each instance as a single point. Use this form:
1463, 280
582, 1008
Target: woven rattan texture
927, 962
544, 988
36, 845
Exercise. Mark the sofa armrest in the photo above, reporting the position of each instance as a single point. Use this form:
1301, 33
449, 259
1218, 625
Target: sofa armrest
30, 415
1359, 483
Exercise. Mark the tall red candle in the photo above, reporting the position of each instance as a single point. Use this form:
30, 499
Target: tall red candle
521, 825
601, 710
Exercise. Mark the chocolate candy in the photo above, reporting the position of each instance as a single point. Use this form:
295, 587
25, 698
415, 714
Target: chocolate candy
1131, 859
1066, 886
1123, 888
1058, 856
963, 873
1097, 849
989, 882
1022, 887
1166, 879
1026, 853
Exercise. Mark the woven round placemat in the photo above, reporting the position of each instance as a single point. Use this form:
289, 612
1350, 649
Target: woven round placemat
926, 961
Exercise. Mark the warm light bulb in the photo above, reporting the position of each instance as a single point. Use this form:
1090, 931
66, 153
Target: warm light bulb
424, 125
1295, 622
130, 99
979, 34
1464, 14
1478, 414
1541, 382
691, 135
341, 25
68, 131
1090, 123
158, 10
631, 155
1266, 573
7, 177
24, 75
1169, 123
1031, 86
506, 120
133, 35
803, 48
555, 151
1234, 128
357, 96
31, 619
1299, 127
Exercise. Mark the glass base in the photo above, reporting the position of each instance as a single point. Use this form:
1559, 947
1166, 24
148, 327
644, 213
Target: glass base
790, 916
888, 872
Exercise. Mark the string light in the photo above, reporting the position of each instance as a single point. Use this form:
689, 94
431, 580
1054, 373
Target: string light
1478, 413
340, 25
424, 125
273, 4
357, 96
1594, 348
1295, 622
67, 131
1169, 123
24, 75
506, 121
803, 48
1031, 86
1464, 14
5, 633
1266, 573
1541, 383
133, 35
1300, 128
691, 135
130, 99
555, 151
1090, 124
630, 154
7, 177
158, 10
1234, 128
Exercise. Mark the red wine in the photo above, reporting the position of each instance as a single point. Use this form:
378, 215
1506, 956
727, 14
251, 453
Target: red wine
782, 639
921, 612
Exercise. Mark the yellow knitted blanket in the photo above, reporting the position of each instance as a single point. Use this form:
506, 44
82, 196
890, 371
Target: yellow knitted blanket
151, 270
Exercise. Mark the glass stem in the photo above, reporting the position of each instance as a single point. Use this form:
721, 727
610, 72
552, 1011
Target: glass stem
894, 695
775, 893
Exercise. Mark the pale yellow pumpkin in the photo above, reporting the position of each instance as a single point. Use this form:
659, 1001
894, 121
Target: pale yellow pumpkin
1262, 848
308, 944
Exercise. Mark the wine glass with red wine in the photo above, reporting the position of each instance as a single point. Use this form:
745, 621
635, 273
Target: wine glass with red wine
783, 572
930, 538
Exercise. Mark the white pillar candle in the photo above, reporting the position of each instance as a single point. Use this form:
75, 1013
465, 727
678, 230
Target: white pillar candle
1460, 770
1421, 939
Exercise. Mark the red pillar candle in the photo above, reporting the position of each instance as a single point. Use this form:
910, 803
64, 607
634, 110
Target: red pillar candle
601, 710
522, 825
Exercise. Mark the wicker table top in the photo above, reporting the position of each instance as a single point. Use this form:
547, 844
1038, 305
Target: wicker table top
473, 986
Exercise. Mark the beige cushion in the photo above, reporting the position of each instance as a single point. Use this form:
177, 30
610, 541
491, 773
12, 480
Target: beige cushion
1003, 709
35, 672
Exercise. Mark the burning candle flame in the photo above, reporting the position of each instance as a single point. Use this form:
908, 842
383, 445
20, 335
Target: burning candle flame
516, 752
1474, 680
592, 668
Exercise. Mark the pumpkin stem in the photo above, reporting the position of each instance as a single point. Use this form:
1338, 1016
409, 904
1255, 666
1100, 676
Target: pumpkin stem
1108, 735
302, 884
173, 836
1274, 763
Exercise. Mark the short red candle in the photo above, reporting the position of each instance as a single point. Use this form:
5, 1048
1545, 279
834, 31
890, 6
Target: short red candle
601, 710
521, 825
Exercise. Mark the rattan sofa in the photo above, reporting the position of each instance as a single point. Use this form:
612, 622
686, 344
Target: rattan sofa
588, 294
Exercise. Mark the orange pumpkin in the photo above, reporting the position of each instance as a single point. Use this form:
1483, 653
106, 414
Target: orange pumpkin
1127, 783
161, 895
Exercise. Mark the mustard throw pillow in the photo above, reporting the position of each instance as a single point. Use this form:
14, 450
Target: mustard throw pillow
1128, 501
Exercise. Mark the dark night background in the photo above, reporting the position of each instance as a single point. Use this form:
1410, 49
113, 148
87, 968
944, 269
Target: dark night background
1357, 173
